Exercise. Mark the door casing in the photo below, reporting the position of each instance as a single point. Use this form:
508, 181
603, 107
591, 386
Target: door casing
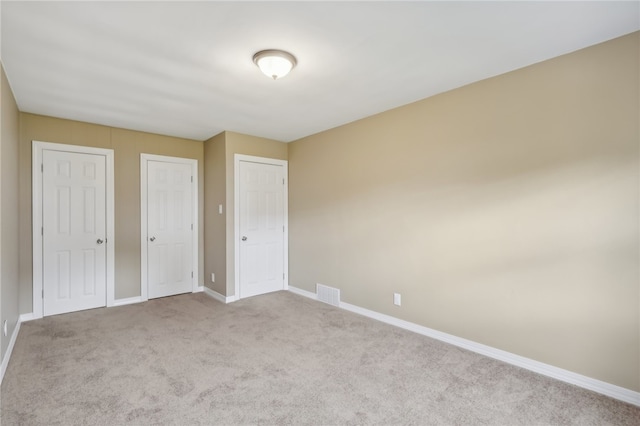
144, 158
236, 215
37, 219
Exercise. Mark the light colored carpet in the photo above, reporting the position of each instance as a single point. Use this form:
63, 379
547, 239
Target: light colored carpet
273, 359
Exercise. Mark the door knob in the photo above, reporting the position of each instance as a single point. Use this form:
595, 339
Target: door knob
244, 238
99, 241
152, 239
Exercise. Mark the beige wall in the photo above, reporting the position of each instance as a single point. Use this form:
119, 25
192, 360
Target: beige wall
215, 237
127, 146
504, 212
10, 216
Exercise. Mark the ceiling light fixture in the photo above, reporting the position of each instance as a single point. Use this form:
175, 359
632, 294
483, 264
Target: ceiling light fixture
274, 63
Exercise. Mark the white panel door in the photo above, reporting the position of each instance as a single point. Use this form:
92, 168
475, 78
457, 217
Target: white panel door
169, 229
261, 204
74, 231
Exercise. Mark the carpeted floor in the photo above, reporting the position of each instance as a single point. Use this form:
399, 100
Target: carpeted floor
273, 359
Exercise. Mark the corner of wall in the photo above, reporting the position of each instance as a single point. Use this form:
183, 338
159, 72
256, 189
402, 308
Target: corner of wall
215, 219
10, 216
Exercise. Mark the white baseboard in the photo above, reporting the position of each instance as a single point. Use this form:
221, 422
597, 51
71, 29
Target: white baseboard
567, 376
7, 355
28, 317
128, 301
219, 297
302, 292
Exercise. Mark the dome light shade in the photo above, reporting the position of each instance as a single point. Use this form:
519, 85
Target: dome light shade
274, 63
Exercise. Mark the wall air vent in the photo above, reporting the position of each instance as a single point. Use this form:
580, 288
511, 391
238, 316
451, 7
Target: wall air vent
328, 295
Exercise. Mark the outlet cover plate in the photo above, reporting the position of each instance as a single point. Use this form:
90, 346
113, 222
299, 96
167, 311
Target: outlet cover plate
397, 299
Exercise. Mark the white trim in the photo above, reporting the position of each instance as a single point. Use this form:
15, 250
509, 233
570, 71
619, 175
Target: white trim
127, 301
7, 354
144, 158
237, 158
27, 317
302, 292
604, 388
219, 297
37, 220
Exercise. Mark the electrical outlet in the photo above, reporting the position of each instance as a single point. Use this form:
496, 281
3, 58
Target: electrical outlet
397, 299
213, 277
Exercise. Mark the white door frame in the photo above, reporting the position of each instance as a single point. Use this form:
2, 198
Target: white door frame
36, 203
236, 215
144, 158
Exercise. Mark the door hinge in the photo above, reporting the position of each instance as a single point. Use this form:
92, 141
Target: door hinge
283, 181
43, 293
192, 226
42, 231
191, 274
283, 275
191, 179
42, 167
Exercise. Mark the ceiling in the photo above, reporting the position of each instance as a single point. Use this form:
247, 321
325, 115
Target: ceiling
185, 68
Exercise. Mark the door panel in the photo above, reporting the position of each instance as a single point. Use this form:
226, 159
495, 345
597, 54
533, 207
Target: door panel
169, 228
74, 231
261, 204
